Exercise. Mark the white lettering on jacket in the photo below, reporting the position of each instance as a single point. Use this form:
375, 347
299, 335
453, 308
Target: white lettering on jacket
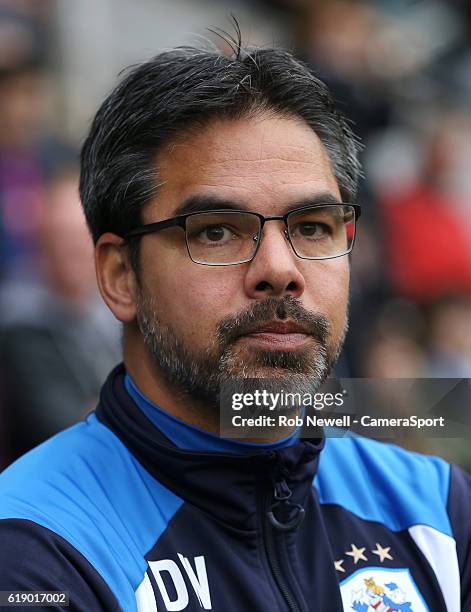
180, 599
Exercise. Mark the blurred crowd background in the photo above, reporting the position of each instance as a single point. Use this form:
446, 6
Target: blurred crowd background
400, 69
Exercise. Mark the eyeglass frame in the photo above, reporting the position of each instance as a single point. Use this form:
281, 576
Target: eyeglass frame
180, 221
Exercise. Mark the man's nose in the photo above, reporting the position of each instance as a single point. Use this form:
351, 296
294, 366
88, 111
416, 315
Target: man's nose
274, 270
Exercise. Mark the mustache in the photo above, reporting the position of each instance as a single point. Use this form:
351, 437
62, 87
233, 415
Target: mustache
273, 309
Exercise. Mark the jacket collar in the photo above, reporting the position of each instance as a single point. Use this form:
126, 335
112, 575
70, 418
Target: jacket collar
225, 486
189, 437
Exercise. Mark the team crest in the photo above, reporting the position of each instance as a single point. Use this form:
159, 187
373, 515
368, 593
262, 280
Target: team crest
377, 589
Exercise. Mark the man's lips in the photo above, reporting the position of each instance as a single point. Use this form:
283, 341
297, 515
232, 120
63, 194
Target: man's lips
278, 335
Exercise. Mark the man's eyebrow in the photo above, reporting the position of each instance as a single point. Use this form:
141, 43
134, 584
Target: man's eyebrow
201, 203
325, 197
206, 203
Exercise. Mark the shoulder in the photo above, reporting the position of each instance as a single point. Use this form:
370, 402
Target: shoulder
385, 483
404, 491
84, 486
32, 558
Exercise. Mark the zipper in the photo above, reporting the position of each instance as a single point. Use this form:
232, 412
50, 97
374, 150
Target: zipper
279, 499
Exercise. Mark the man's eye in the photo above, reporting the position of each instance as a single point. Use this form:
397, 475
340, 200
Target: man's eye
215, 234
311, 230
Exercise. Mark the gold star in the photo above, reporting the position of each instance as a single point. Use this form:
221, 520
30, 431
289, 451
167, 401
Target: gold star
357, 554
383, 553
338, 565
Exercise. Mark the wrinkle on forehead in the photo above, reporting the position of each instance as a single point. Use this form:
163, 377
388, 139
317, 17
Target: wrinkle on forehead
264, 140
276, 156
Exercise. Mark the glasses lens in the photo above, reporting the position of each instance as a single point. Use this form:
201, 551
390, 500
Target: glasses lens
322, 231
222, 238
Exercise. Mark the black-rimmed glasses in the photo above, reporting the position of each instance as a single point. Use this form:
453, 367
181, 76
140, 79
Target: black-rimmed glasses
230, 237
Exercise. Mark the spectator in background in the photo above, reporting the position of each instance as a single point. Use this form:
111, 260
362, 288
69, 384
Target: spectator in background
338, 38
427, 223
56, 341
21, 178
29, 152
450, 338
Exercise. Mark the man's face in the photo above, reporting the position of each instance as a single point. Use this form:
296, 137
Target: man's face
278, 316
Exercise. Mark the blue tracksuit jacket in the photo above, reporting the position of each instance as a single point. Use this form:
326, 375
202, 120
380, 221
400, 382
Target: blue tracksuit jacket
112, 512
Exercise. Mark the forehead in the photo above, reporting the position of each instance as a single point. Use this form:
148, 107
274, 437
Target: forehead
262, 164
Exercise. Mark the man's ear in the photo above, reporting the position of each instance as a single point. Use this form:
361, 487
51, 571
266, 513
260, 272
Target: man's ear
115, 276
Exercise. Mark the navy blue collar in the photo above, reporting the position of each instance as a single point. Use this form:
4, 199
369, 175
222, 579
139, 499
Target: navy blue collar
229, 486
189, 437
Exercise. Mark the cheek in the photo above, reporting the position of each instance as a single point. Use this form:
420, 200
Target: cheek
327, 290
205, 297
192, 298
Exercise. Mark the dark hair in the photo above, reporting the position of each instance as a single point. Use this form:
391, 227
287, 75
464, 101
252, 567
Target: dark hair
179, 89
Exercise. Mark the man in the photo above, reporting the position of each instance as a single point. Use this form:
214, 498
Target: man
57, 338
218, 191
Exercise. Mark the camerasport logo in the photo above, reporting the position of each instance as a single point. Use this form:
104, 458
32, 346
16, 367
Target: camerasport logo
170, 580
379, 589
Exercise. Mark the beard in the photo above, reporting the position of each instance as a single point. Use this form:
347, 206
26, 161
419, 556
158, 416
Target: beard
201, 374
